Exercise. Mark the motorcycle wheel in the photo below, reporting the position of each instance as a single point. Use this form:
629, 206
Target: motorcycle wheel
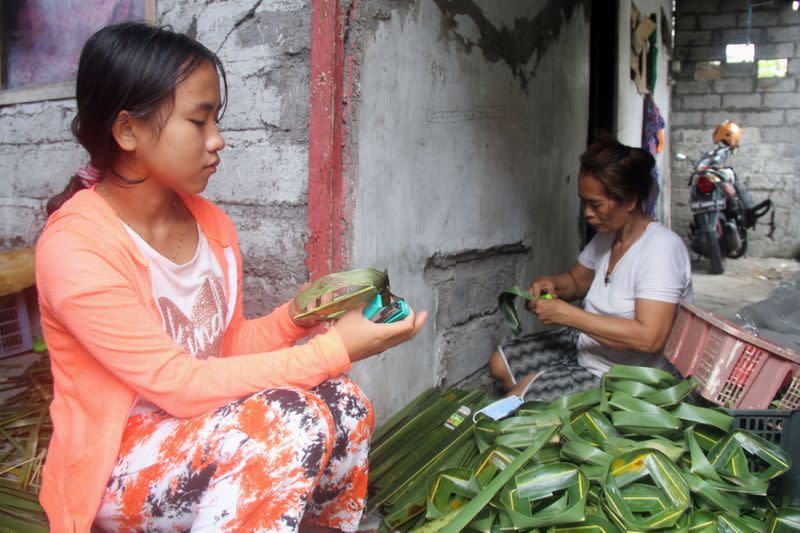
711, 249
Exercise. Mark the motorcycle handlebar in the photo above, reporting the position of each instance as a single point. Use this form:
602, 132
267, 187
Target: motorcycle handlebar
714, 157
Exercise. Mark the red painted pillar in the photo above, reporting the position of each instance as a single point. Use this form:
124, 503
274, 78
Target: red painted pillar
327, 192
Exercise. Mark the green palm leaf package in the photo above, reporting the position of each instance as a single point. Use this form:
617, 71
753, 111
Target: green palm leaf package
330, 296
506, 305
630, 455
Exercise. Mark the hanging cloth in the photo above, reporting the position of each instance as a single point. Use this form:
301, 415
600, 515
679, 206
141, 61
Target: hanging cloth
653, 141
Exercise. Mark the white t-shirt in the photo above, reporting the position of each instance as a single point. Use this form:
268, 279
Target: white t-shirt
191, 298
655, 267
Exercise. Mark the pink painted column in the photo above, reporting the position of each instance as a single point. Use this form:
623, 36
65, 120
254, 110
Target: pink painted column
328, 214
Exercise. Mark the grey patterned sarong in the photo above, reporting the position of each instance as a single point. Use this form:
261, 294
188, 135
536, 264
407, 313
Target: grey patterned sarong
554, 354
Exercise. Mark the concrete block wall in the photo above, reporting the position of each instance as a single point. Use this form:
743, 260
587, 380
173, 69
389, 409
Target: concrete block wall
768, 109
262, 180
466, 285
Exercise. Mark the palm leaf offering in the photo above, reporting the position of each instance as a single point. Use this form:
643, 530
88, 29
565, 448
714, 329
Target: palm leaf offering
630, 455
331, 296
506, 304
26, 429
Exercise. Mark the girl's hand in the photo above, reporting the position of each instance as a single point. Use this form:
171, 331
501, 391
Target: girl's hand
542, 284
553, 312
363, 338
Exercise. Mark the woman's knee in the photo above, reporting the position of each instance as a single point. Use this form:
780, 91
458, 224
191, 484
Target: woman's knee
346, 400
498, 369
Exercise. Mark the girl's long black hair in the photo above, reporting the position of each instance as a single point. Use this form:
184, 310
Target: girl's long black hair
131, 67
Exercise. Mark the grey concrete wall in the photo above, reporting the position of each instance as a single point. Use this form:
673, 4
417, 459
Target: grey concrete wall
467, 121
262, 180
630, 107
767, 109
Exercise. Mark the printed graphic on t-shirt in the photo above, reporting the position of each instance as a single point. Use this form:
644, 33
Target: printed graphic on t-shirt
200, 334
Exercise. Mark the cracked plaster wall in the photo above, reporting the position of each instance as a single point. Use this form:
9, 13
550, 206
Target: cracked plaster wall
467, 118
262, 180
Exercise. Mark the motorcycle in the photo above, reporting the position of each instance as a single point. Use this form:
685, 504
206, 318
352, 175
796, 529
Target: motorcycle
722, 208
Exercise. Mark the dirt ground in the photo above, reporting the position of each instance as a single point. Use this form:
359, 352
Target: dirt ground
746, 280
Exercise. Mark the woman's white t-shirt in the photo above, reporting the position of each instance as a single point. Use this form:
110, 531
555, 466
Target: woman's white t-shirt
191, 298
655, 267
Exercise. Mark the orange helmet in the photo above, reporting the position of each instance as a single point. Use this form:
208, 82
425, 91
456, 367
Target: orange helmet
729, 133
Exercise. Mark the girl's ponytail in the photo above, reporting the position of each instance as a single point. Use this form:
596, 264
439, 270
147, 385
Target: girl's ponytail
75, 184
84, 178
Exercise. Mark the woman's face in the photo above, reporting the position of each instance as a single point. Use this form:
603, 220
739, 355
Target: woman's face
186, 152
603, 213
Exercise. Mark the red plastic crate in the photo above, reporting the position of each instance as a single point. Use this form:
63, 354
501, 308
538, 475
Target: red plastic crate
736, 368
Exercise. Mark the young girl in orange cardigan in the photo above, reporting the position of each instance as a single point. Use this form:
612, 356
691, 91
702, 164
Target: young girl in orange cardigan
171, 412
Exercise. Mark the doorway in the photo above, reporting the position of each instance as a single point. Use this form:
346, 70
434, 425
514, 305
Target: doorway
603, 69
603, 56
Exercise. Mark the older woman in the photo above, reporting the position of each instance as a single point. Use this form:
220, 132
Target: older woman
631, 276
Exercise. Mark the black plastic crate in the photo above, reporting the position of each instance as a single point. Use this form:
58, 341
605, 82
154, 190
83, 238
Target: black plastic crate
783, 429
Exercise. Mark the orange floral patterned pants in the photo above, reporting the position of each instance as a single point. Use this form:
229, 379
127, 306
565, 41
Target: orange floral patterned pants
269, 462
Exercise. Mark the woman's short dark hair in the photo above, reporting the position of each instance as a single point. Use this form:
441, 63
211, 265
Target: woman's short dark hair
624, 171
131, 67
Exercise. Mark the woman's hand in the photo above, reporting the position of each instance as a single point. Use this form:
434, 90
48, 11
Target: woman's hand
363, 338
553, 312
542, 284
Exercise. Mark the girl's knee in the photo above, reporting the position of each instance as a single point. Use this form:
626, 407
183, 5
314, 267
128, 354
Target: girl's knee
345, 399
283, 434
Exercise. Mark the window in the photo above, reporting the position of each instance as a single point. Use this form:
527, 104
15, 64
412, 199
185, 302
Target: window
772, 68
740, 53
41, 40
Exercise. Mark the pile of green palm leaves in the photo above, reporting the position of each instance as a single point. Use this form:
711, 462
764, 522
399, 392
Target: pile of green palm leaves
630, 455
26, 429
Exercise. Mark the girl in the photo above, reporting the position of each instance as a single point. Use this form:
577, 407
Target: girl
171, 412
631, 276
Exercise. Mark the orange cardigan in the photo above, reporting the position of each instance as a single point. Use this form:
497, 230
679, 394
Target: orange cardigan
107, 347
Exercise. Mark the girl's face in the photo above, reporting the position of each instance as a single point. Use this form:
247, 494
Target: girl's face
603, 213
186, 152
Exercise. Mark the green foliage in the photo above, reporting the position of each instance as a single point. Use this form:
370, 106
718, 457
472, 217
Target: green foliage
629, 455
